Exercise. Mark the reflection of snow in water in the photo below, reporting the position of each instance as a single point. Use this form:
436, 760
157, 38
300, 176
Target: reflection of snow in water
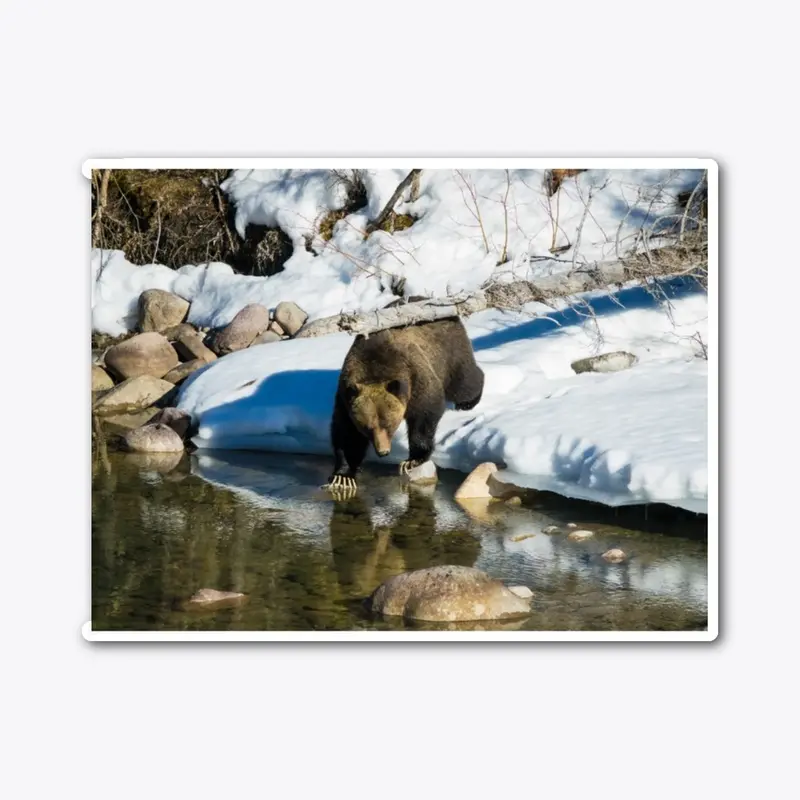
515, 548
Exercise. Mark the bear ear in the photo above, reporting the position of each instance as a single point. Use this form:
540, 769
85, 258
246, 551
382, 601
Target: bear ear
398, 388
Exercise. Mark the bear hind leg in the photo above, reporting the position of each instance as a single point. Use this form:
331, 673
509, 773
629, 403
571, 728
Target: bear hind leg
467, 389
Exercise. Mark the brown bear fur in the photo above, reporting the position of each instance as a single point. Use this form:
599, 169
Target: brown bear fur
396, 374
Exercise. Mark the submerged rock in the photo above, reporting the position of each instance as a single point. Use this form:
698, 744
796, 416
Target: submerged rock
132, 395
153, 438
206, 599
159, 310
607, 362
615, 555
447, 594
162, 463
580, 536
145, 354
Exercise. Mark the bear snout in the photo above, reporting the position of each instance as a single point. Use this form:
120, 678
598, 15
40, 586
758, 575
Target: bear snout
382, 443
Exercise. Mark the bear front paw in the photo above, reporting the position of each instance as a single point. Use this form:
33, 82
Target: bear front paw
407, 466
341, 486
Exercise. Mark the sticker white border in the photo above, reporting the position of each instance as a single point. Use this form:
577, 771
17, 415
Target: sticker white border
303, 162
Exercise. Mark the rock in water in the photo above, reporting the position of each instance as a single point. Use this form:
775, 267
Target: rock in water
423, 474
608, 362
159, 310
177, 419
447, 594
207, 599
615, 555
580, 536
476, 484
153, 438
100, 379
132, 395
252, 320
290, 317
145, 354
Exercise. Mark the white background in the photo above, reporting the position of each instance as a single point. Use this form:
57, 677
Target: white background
178, 79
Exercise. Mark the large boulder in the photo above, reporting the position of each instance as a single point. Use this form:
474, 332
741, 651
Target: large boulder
476, 484
448, 594
290, 317
100, 379
189, 347
252, 320
132, 395
153, 438
607, 362
159, 310
145, 354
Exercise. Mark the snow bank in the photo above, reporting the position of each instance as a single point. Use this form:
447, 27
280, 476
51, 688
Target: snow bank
619, 438
466, 222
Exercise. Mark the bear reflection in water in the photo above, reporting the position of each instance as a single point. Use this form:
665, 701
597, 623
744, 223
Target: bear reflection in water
366, 555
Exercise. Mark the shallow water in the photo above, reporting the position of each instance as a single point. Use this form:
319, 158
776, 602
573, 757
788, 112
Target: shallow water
164, 527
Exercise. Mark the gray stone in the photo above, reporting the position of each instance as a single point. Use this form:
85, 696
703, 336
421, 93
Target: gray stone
277, 328
176, 331
447, 594
266, 338
608, 362
189, 347
159, 310
101, 380
183, 371
145, 354
425, 473
290, 317
120, 423
133, 394
152, 438
175, 418
252, 320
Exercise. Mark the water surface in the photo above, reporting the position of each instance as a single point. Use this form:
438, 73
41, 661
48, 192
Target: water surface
165, 527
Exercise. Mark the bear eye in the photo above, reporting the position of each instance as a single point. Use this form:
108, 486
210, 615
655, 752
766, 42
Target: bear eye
397, 388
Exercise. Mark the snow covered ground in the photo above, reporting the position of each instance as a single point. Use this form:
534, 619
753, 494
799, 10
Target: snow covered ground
635, 436
467, 221
628, 437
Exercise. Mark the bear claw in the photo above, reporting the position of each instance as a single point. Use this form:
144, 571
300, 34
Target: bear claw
341, 485
407, 466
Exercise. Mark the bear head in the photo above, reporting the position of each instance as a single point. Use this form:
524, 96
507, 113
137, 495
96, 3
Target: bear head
377, 409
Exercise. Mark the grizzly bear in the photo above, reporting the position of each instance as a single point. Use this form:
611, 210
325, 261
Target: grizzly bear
400, 374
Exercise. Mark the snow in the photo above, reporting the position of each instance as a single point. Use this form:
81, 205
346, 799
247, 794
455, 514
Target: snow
455, 244
636, 436
639, 435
